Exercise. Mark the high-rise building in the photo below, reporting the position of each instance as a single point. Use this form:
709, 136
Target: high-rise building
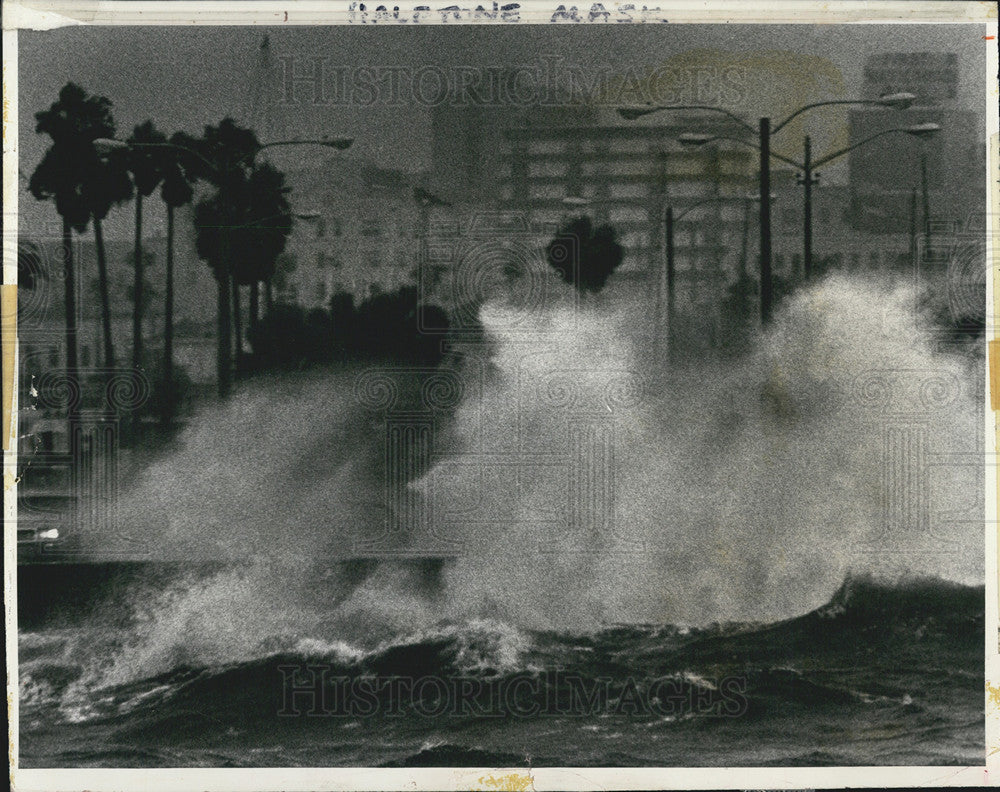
547, 164
932, 76
942, 170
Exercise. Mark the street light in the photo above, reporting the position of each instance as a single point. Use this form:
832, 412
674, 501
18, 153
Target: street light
807, 166
763, 133
107, 145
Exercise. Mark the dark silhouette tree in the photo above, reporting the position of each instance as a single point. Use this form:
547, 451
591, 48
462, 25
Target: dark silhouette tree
107, 184
176, 190
266, 224
231, 220
225, 149
343, 320
72, 122
146, 155
585, 256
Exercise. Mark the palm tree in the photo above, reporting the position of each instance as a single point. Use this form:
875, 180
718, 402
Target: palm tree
176, 191
230, 148
107, 184
267, 222
73, 122
145, 157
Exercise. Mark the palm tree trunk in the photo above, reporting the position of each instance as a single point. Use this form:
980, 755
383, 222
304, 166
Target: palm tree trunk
254, 306
225, 331
72, 368
102, 273
168, 324
237, 328
137, 292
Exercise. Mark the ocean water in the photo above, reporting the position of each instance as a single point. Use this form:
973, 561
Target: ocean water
764, 560
881, 675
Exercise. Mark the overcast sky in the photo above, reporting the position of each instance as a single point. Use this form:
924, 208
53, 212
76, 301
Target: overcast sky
185, 77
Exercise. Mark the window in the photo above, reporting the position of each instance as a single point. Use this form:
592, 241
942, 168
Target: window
629, 190
634, 239
550, 191
628, 168
629, 146
627, 216
546, 146
547, 168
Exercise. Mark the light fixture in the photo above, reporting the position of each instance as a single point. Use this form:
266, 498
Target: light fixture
694, 138
632, 113
897, 101
922, 129
339, 143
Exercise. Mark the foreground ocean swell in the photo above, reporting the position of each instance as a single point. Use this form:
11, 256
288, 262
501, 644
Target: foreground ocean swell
883, 674
752, 487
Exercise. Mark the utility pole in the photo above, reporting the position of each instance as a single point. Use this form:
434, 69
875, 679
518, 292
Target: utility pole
807, 181
669, 228
766, 294
926, 200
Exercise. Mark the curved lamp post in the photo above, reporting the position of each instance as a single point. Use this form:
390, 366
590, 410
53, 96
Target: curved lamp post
763, 134
808, 166
107, 145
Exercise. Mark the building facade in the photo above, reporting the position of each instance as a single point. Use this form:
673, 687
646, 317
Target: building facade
943, 171
358, 231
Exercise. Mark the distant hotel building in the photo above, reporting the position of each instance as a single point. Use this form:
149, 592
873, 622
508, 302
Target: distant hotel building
363, 240
629, 175
529, 160
944, 169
